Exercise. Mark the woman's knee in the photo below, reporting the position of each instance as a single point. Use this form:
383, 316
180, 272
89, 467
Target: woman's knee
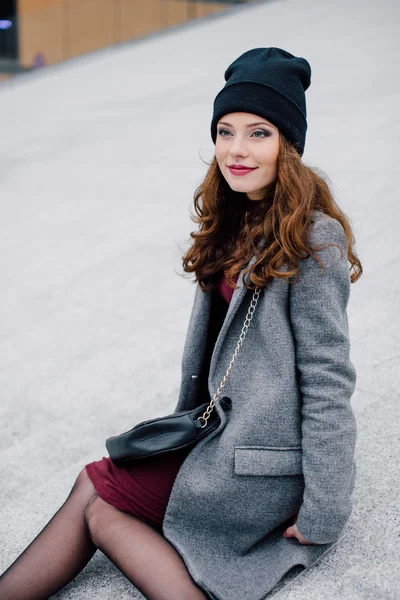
98, 513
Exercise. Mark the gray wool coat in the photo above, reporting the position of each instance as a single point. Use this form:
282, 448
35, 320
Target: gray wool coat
287, 444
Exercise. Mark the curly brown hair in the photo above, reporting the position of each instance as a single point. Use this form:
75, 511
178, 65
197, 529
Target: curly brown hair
231, 226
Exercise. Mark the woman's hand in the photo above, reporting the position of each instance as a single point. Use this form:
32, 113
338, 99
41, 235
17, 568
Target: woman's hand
293, 531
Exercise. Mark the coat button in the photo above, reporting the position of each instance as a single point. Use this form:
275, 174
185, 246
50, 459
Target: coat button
226, 403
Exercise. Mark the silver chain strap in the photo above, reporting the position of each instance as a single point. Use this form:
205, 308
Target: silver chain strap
245, 327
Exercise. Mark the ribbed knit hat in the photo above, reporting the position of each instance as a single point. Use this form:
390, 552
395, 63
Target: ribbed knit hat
270, 83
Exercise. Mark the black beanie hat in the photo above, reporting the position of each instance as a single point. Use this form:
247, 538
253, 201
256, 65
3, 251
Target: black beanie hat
270, 83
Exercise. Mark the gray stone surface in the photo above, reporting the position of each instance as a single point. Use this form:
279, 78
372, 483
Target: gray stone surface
100, 158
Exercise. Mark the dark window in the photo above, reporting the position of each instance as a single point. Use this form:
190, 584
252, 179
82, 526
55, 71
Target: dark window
8, 29
8, 9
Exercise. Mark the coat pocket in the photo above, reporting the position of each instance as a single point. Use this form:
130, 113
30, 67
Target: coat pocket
268, 460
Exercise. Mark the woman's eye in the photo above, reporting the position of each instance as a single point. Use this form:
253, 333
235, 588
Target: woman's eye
266, 133
263, 131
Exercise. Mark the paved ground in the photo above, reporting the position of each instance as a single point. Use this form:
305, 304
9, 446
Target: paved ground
99, 161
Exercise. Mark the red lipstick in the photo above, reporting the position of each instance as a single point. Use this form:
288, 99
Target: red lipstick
240, 169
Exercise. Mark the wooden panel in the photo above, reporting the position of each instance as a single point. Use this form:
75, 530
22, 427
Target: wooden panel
43, 31
91, 26
205, 8
140, 18
177, 12
27, 6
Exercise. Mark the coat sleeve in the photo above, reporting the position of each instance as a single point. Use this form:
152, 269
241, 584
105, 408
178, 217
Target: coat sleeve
327, 378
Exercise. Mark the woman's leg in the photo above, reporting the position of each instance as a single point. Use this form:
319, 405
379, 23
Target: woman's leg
57, 554
142, 554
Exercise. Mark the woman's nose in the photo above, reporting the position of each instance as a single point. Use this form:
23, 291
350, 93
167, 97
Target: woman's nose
238, 147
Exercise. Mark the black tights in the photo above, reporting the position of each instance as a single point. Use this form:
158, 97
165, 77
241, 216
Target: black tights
83, 524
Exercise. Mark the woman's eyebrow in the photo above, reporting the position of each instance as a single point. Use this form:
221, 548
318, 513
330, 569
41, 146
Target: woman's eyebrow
250, 125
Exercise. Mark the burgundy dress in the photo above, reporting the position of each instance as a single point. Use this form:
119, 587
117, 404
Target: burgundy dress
142, 488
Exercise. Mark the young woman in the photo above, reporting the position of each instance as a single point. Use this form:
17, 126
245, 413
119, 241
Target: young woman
271, 487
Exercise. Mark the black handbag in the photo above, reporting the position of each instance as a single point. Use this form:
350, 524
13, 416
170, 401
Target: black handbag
179, 430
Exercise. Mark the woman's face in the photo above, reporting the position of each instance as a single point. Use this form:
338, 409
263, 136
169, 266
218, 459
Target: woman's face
251, 141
